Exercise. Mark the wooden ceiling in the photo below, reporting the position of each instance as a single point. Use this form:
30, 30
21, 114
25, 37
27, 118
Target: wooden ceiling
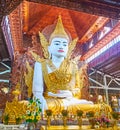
76, 15
37, 16
81, 18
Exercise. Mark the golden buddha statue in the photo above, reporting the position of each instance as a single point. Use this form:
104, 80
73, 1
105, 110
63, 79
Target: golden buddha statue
56, 79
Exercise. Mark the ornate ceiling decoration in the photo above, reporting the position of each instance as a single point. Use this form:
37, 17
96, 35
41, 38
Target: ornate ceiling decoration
50, 17
22, 19
15, 19
96, 7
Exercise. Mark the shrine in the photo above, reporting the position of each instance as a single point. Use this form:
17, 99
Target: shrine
60, 67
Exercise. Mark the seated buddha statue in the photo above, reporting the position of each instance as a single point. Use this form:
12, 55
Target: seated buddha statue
56, 79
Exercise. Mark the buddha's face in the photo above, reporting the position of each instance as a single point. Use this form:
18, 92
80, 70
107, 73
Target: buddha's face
59, 47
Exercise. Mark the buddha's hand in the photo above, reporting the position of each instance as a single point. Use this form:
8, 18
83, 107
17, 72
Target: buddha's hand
61, 94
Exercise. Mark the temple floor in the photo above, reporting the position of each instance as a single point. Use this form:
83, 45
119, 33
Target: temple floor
57, 125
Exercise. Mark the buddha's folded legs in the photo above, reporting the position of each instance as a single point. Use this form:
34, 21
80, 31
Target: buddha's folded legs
57, 105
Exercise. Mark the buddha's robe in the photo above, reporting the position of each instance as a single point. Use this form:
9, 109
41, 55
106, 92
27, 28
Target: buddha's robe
61, 87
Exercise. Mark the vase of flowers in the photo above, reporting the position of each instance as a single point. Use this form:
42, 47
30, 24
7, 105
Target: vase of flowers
90, 114
79, 117
65, 115
33, 113
115, 118
103, 121
6, 119
18, 120
115, 115
48, 114
91, 119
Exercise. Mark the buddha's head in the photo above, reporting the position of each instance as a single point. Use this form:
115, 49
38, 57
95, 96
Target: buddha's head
59, 40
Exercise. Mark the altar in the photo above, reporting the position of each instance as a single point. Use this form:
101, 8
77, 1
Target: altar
74, 127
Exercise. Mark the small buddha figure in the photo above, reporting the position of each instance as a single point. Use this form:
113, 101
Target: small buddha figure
56, 79
114, 101
100, 98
